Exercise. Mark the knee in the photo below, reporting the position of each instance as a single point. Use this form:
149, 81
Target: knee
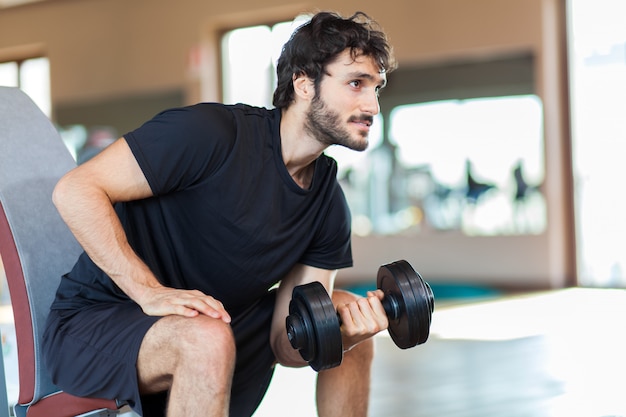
362, 354
343, 297
206, 339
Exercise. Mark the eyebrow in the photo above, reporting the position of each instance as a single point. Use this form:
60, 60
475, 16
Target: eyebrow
368, 76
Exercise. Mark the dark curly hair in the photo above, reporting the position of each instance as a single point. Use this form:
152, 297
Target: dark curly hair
316, 43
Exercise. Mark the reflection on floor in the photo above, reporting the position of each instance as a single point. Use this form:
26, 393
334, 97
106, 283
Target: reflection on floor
554, 354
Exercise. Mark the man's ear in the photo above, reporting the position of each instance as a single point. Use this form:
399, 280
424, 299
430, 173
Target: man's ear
303, 86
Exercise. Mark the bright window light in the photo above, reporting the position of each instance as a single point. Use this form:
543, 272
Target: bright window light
35, 81
249, 61
444, 134
8, 74
32, 76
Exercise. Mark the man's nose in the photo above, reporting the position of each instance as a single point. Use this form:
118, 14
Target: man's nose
370, 103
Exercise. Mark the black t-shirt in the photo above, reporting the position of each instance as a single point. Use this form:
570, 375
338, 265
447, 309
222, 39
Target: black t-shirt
226, 217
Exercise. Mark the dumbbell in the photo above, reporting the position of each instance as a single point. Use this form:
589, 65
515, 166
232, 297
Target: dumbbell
313, 325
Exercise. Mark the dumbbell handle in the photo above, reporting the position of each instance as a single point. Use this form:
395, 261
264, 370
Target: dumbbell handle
390, 305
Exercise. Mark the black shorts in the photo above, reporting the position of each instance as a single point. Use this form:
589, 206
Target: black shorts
92, 352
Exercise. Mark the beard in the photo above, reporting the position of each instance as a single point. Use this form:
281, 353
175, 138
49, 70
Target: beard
325, 126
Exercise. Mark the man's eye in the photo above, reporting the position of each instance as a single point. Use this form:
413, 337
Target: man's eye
355, 83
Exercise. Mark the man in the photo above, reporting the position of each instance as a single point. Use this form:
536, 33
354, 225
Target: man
188, 221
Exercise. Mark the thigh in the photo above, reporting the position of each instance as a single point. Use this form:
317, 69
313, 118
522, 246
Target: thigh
178, 345
92, 352
343, 297
254, 365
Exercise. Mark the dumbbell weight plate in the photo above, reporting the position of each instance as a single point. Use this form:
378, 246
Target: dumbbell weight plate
313, 326
414, 303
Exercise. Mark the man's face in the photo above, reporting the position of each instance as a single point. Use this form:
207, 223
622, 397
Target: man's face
346, 102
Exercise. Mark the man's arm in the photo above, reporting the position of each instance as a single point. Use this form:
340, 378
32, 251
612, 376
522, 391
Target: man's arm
361, 318
85, 197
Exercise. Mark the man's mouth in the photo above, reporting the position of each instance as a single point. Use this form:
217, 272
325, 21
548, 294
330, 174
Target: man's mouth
363, 120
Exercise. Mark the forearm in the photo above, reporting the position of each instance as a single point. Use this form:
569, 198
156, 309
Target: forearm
85, 198
285, 354
299, 275
88, 211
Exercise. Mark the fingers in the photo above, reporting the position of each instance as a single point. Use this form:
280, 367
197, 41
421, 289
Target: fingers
187, 303
377, 293
364, 317
205, 304
369, 315
375, 299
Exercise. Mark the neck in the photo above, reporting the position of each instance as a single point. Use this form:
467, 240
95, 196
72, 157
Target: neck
299, 149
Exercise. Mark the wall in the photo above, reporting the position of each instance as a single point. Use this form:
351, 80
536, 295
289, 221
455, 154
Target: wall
110, 49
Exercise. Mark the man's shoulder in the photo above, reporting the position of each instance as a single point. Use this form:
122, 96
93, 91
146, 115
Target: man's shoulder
234, 112
209, 106
252, 111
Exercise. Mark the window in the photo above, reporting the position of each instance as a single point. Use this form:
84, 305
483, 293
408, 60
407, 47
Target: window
249, 58
597, 53
32, 76
474, 165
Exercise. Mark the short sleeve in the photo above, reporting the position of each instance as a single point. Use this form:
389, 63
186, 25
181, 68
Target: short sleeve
179, 147
331, 248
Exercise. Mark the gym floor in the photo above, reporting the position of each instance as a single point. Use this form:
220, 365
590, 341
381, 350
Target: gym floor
552, 354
